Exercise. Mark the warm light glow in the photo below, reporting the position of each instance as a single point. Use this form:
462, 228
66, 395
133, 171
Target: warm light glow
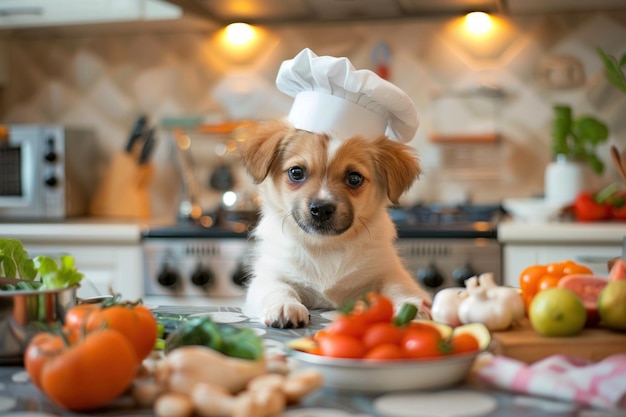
229, 198
239, 33
478, 23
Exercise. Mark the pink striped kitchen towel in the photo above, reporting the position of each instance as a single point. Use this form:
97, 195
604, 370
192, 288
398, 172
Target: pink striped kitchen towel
597, 384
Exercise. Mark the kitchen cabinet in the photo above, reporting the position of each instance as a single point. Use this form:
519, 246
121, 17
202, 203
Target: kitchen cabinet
518, 257
592, 244
37, 13
108, 253
104, 266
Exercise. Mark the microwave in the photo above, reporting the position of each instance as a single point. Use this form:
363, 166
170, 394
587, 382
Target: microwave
46, 171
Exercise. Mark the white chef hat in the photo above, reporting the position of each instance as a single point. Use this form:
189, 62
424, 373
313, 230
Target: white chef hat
330, 96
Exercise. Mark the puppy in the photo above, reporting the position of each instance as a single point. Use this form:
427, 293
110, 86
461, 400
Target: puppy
324, 236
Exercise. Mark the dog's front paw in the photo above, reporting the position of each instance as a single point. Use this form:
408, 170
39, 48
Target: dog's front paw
287, 316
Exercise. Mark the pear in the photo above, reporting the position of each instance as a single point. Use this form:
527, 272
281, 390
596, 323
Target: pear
612, 305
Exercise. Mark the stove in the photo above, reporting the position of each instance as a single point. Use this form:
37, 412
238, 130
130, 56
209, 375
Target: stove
441, 245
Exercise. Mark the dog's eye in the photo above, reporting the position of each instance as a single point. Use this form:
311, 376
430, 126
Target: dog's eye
354, 179
296, 174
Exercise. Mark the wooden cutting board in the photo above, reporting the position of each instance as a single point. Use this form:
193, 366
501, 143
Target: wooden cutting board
525, 344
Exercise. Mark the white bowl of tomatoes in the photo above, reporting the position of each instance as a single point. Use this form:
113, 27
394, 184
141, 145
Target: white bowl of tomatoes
392, 375
371, 348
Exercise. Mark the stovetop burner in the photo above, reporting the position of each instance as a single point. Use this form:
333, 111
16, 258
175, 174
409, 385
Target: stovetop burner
422, 221
447, 221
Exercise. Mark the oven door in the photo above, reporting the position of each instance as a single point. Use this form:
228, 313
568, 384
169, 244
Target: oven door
18, 172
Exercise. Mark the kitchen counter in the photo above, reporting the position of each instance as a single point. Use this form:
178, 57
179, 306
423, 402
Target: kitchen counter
566, 232
80, 230
18, 394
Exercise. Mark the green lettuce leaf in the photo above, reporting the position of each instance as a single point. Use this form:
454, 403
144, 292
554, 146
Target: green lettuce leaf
54, 275
14, 260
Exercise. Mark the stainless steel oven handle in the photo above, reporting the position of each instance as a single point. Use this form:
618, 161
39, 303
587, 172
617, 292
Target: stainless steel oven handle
590, 259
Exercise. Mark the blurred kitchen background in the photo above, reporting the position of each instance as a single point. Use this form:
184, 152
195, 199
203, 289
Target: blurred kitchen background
484, 95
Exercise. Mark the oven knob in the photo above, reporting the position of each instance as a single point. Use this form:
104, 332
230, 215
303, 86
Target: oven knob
240, 276
51, 181
459, 275
168, 277
429, 277
50, 155
203, 277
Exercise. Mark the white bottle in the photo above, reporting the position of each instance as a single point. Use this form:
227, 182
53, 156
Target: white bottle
564, 180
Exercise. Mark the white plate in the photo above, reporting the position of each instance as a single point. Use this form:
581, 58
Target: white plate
385, 376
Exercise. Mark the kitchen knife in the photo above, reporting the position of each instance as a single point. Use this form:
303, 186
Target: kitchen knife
147, 147
136, 133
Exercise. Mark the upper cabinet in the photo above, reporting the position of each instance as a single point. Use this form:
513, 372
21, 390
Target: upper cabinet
41, 13
289, 11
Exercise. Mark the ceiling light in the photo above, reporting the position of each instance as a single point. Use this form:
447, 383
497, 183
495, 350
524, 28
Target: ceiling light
239, 33
478, 23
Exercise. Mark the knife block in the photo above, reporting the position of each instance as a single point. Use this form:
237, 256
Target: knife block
124, 192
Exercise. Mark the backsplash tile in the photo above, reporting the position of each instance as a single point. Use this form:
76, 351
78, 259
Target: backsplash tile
106, 80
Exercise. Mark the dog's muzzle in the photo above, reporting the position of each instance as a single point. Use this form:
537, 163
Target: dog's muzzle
322, 217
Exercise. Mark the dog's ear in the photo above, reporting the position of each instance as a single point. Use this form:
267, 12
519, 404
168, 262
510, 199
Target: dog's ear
397, 165
261, 148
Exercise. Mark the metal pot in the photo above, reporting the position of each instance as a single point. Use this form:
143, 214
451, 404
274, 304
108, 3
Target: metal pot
22, 313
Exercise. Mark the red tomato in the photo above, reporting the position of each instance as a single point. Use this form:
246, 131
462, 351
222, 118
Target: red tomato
421, 344
77, 316
39, 351
85, 375
353, 325
381, 333
341, 346
135, 322
464, 342
379, 308
587, 288
386, 351
618, 213
586, 209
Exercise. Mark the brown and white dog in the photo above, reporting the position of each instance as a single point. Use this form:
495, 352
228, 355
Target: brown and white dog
324, 236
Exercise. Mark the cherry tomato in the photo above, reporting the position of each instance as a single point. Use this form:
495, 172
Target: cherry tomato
382, 333
379, 309
529, 278
353, 325
572, 268
536, 278
341, 346
548, 281
464, 342
386, 351
421, 344
85, 375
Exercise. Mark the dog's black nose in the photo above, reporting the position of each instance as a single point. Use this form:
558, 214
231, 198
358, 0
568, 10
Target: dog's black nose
322, 210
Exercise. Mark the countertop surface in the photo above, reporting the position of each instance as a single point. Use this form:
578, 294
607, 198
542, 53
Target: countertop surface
114, 231
609, 232
19, 397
